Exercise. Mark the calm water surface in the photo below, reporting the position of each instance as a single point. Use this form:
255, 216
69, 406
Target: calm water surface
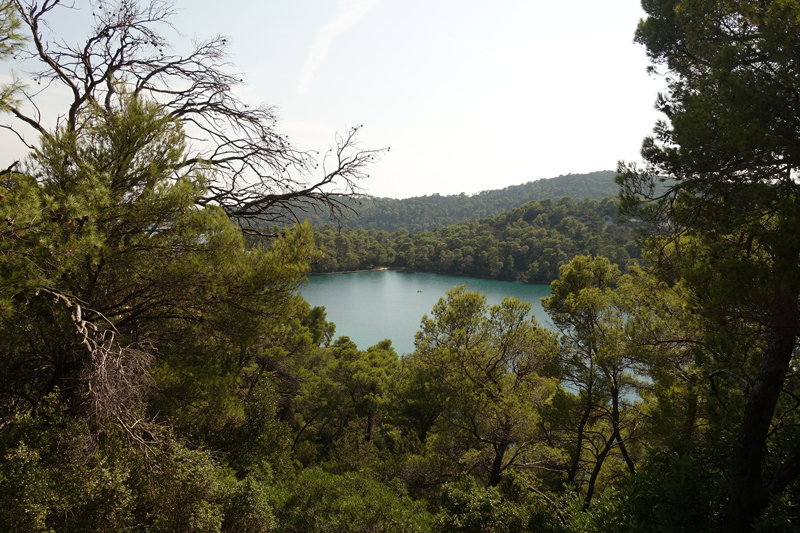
371, 306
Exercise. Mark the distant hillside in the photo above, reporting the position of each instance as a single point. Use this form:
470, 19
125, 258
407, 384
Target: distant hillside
528, 243
424, 213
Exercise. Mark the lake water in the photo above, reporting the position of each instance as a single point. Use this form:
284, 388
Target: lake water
371, 306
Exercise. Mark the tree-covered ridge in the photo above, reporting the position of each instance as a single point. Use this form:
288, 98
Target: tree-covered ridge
424, 213
528, 243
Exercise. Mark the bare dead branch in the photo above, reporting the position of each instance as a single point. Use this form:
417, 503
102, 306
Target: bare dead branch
114, 376
254, 173
742, 381
9, 169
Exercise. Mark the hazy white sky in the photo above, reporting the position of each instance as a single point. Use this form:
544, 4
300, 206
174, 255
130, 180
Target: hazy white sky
470, 95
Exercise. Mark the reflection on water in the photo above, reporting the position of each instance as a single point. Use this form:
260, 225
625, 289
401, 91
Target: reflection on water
371, 306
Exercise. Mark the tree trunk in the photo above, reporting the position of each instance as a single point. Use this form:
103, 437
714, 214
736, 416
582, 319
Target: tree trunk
497, 464
749, 495
576, 458
691, 410
596, 472
368, 435
617, 434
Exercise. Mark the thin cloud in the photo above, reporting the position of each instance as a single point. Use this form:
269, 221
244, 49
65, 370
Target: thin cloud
350, 12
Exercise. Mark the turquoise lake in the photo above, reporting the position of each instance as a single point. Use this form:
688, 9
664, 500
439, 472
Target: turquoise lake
371, 306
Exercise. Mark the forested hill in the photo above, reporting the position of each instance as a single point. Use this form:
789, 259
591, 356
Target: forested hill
528, 243
425, 213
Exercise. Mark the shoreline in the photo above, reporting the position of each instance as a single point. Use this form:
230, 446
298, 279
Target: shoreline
403, 269
377, 269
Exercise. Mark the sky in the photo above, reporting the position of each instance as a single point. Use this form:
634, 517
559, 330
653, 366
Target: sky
469, 95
